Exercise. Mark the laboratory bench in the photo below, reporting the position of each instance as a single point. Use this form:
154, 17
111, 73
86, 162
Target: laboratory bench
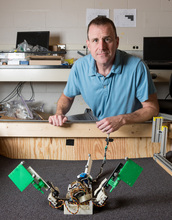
74, 141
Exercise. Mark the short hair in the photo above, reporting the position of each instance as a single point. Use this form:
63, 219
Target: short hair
102, 20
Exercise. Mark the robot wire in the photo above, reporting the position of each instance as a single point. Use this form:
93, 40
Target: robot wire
104, 159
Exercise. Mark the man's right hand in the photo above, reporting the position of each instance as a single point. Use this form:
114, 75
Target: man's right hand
57, 120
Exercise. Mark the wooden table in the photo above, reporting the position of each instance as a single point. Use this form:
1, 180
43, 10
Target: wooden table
74, 141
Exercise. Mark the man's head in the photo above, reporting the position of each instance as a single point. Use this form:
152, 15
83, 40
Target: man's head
102, 41
101, 20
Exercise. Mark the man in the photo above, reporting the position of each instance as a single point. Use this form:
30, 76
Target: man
116, 86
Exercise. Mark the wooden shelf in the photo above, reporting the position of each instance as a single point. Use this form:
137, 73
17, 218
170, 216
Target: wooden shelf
34, 74
162, 75
55, 74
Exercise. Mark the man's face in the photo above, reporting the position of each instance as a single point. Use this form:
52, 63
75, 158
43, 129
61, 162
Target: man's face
102, 44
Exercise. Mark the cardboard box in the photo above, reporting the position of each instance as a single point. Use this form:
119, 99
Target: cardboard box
44, 57
45, 62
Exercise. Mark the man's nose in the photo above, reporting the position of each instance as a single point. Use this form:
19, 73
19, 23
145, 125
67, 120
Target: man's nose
102, 44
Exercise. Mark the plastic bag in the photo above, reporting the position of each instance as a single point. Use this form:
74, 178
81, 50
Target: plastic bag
23, 109
38, 48
24, 47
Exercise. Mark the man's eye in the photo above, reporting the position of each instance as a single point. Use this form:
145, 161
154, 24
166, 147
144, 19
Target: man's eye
95, 40
107, 39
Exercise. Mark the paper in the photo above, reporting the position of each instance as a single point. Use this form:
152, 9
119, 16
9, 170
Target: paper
93, 13
125, 17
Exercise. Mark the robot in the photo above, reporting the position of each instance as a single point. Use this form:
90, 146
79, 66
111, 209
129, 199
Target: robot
80, 198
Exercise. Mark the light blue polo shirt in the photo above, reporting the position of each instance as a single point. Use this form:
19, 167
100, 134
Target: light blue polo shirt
127, 85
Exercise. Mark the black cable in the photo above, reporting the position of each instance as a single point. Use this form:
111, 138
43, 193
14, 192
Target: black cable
103, 162
17, 91
167, 96
11, 95
33, 93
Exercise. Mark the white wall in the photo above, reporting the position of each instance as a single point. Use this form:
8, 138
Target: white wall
66, 21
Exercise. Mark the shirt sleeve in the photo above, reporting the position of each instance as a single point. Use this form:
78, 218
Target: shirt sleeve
144, 83
72, 89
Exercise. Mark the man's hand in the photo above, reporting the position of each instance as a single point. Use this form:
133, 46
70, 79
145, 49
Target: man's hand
63, 105
57, 120
150, 108
110, 124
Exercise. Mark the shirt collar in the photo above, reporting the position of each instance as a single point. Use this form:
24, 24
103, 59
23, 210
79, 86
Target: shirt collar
92, 69
116, 67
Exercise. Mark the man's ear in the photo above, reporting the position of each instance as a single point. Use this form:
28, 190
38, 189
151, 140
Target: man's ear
88, 44
117, 42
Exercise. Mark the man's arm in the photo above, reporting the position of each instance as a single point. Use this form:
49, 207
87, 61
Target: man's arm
150, 108
63, 106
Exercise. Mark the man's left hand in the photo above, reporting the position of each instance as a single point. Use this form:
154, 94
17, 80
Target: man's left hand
110, 124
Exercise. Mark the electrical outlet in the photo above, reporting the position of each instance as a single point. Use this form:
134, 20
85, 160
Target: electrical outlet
80, 47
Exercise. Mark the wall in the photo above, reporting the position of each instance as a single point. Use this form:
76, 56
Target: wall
66, 21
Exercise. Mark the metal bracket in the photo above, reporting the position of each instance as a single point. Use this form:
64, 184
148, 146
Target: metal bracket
159, 134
